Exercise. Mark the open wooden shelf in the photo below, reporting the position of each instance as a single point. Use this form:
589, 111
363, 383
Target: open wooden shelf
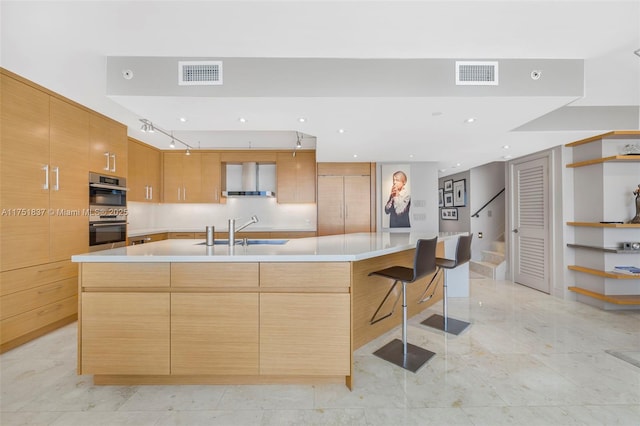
616, 134
616, 158
605, 225
604, 249
615, 299
605, 274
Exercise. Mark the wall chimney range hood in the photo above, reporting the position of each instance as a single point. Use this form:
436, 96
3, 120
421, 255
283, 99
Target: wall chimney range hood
250, 179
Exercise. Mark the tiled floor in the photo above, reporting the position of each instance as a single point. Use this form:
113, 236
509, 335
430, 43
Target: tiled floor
528, 359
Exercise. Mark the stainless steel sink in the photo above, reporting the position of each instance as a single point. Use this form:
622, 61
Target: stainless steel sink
249, 242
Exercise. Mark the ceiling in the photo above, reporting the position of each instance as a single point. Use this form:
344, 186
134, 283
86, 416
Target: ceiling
381, 71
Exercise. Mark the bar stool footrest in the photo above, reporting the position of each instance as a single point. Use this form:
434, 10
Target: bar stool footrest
393, 352
454, 326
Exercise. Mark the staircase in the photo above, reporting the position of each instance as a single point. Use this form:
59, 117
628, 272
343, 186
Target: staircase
492, 264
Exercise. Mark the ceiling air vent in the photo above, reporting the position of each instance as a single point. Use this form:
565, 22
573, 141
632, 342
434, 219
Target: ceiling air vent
199, 73
476, 73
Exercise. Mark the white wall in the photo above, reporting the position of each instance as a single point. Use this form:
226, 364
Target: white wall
195, 217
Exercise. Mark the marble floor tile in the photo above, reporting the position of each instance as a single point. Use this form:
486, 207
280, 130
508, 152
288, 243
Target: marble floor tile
527, 359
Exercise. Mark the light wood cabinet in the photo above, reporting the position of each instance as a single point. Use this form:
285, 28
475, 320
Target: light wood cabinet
211, 191
108, 146
182, 177
25, 175
125, 333
306, 334
344, 204
35, 300
144, 172
214, 333
296, 177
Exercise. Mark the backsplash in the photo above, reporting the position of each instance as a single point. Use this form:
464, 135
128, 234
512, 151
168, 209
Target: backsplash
293, 217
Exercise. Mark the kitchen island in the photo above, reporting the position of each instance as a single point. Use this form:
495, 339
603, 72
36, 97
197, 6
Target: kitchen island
178, 311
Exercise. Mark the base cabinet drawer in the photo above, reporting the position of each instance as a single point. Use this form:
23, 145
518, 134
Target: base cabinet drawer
306, 334
214, 333
27, 322
33, 298
125, 333
34, 276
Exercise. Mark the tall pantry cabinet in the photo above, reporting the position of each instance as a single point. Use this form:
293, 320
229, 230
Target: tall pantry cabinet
345, 198
43, 202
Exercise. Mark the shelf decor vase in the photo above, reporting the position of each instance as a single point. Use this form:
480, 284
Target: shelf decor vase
636, 219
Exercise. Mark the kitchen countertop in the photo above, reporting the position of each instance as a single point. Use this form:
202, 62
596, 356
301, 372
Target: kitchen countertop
331, 248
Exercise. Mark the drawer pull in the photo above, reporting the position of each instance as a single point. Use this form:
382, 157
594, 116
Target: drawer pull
52, 309
49, 269
49, 290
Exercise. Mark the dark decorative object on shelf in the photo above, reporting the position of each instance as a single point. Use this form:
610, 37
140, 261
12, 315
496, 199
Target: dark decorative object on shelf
636, 219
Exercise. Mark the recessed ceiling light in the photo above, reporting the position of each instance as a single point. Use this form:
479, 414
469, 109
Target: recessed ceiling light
410, 155
470, 120
355, 155
506, 157
242, 120
442, 170
183, 119
302, 119
340, 130
506, 147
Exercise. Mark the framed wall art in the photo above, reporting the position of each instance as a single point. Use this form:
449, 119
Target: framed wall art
396, 195
440, 197
448, 185
460, 193
448, 199
449, 213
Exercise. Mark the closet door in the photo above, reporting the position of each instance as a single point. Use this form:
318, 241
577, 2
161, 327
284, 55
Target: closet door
531, 224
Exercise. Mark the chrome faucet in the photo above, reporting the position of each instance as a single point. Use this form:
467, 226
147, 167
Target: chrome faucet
233, 229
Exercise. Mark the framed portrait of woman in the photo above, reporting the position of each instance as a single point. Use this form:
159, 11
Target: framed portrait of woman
396, 196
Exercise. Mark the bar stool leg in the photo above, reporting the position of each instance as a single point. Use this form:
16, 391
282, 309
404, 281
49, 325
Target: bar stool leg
404, 319
400, 352
443, 322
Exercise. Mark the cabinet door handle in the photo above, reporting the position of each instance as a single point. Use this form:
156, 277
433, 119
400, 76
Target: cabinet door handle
178, 193
56, 170
151, 192
113, 169
46, 176
184, 193
106, 154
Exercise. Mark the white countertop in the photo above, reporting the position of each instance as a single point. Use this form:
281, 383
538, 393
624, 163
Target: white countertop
332, 248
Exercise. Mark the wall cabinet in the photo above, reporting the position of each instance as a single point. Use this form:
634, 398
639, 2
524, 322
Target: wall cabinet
144, 173
108, 146
596, 247
191, 178
296, 177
